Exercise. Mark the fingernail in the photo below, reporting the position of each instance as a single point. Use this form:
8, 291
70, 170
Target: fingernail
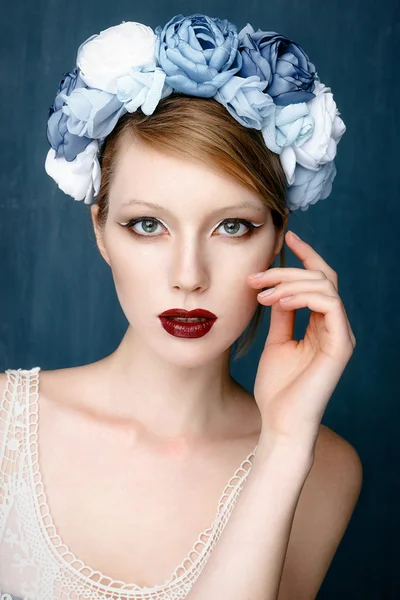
266, 292
257, 275
294, 234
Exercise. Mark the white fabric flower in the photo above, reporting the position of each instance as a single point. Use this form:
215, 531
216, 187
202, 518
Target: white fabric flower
104, 57
81, 177
321, 147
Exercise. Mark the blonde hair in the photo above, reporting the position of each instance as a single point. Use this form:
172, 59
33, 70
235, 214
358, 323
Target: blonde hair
202, 129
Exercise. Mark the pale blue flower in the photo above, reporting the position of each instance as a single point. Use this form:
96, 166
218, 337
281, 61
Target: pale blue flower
64, 143
92, 113
142, 88
310, 186
245, 101
292, 125
198, 53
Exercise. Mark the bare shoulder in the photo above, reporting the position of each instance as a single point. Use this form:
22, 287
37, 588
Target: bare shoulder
334, 451
59, 381
326, 504
66, 388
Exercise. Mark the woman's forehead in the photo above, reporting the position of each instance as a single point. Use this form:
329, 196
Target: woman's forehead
148, 175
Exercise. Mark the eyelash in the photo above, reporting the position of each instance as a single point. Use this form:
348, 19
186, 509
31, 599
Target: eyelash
248, 224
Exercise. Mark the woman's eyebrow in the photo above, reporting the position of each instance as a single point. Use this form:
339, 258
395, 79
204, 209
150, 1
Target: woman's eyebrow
244, 204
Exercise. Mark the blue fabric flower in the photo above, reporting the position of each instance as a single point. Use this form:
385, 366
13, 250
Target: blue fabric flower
92, 113
142, 88
310, 186
245, 101
60, 139
278, 61
199, 54
292, 125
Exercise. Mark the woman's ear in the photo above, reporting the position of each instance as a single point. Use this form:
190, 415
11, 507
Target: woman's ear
94, 210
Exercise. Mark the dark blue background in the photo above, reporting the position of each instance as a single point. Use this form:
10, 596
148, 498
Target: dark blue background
58, 305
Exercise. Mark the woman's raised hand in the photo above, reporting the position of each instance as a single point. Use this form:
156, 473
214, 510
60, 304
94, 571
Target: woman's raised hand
295, 379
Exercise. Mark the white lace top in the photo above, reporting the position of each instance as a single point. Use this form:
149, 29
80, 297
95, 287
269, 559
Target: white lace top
35, 564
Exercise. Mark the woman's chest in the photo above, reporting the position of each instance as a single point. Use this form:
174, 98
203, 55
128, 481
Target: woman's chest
133, 515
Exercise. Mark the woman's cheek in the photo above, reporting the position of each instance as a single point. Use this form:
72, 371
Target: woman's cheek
241, 299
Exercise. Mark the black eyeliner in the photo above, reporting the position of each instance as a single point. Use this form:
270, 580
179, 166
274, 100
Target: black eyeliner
252, 226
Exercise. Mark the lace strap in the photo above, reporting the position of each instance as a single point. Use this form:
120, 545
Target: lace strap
13, 414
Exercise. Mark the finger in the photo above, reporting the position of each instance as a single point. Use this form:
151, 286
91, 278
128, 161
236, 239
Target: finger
280, 274
303, 285
335, 319
296, 287
282, 322
282, 290
310, 257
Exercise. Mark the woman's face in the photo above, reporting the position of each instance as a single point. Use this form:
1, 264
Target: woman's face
181, 254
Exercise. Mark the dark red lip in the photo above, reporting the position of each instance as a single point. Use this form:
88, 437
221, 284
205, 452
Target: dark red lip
181, 312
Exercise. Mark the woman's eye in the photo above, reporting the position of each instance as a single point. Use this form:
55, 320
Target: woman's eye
232, 226
147, 227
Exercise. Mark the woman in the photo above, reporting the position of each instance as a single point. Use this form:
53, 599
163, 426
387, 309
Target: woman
110, 470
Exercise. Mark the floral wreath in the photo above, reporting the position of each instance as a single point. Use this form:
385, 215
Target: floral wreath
264, 80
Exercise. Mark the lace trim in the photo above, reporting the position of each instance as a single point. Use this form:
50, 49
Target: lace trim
11, 447
81, 572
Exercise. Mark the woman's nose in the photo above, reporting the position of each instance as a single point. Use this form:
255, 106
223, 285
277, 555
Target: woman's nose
189, 270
